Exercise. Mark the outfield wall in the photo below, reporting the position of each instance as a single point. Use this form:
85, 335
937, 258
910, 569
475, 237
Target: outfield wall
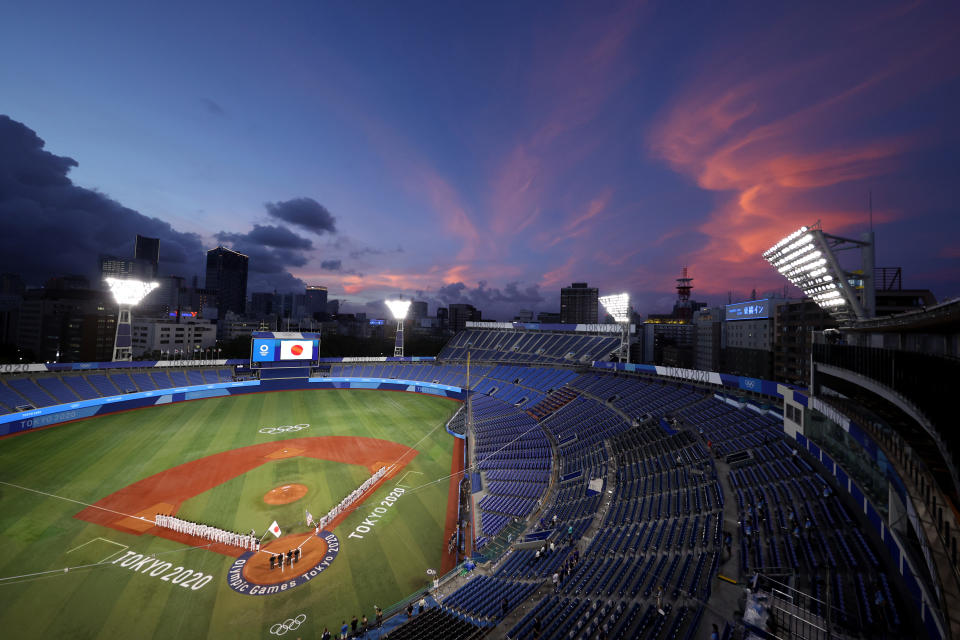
37, 418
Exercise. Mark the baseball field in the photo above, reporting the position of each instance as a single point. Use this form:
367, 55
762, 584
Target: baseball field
81, 556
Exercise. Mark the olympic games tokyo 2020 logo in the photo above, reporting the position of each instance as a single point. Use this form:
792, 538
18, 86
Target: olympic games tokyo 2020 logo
290, 624
240, 584
264, 349
290, 428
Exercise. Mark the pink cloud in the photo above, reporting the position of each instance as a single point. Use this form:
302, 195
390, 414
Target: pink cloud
776, 155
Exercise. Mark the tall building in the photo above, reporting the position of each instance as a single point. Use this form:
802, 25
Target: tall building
263, 304
524, 315
227, 276
794, 323
116, 267
749, 337
11, 297
170, 338
316, 300
668, 341
67, 325
578, 304
462, 313
418, 310
709, 342
147, 251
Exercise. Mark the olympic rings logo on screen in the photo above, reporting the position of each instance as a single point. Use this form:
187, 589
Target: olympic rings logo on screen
290, 624
290, 428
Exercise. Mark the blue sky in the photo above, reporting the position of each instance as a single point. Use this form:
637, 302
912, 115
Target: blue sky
493, 152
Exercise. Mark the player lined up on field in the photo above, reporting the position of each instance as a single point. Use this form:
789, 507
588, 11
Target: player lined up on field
349, 500
207, 532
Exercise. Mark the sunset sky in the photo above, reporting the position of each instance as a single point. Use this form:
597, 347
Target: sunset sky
485, 152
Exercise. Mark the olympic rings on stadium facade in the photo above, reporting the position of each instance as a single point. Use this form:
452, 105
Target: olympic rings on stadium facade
285, 429
290, 624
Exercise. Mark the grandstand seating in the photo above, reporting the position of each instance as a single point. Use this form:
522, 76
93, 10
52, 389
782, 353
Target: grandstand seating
161, 379
143, 381
435, 624
545, 439
10, 399
103, 384
508, 441
489, 345
122, 381
29, 389
55, 387
81, 387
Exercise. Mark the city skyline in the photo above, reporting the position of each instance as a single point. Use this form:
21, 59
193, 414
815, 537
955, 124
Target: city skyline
484, 155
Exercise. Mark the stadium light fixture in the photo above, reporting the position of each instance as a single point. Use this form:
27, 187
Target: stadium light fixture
399, 310
807, 258
128, 293
618, 306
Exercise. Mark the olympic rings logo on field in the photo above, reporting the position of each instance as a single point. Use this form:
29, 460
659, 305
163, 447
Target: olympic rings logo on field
290, 624
285, 429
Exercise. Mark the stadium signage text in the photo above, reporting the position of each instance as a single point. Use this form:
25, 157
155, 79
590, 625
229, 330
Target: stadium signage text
147, 565
241, 585
378, 512
20, 368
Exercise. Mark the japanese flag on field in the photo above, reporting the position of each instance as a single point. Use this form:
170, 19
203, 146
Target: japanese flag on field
296, 350
275, 529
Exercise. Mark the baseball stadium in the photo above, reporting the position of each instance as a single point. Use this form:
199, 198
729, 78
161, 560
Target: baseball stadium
522, 483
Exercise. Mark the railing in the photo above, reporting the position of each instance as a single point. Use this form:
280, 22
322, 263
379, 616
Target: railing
401, 604
926, 381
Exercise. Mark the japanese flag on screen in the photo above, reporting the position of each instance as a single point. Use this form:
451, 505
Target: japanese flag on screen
274, 529
296, 350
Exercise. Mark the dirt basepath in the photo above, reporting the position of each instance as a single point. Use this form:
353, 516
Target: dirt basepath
164, 492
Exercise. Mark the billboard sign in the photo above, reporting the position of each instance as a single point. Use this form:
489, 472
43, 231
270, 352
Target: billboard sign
753, 310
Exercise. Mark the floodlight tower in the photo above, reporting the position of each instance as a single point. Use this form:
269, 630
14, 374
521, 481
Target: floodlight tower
399, 310
618, 306
807, 258
128, 294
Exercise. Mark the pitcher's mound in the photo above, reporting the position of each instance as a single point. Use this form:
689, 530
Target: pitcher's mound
285, 494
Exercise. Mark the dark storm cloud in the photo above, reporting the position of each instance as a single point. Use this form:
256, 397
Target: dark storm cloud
52, 227
270, 236
331, 265
273, 251
305, 213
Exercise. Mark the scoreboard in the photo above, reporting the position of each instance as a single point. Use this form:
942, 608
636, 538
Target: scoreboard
285, 350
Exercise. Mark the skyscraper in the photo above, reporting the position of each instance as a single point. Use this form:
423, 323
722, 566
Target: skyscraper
147, 250
227, 275
461, 313
578, 304
316, 300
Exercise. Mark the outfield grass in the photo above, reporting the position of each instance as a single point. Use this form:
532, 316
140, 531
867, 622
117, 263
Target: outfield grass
88, 460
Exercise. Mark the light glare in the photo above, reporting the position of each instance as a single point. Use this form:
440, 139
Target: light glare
398, 308
617, 305
130, 292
